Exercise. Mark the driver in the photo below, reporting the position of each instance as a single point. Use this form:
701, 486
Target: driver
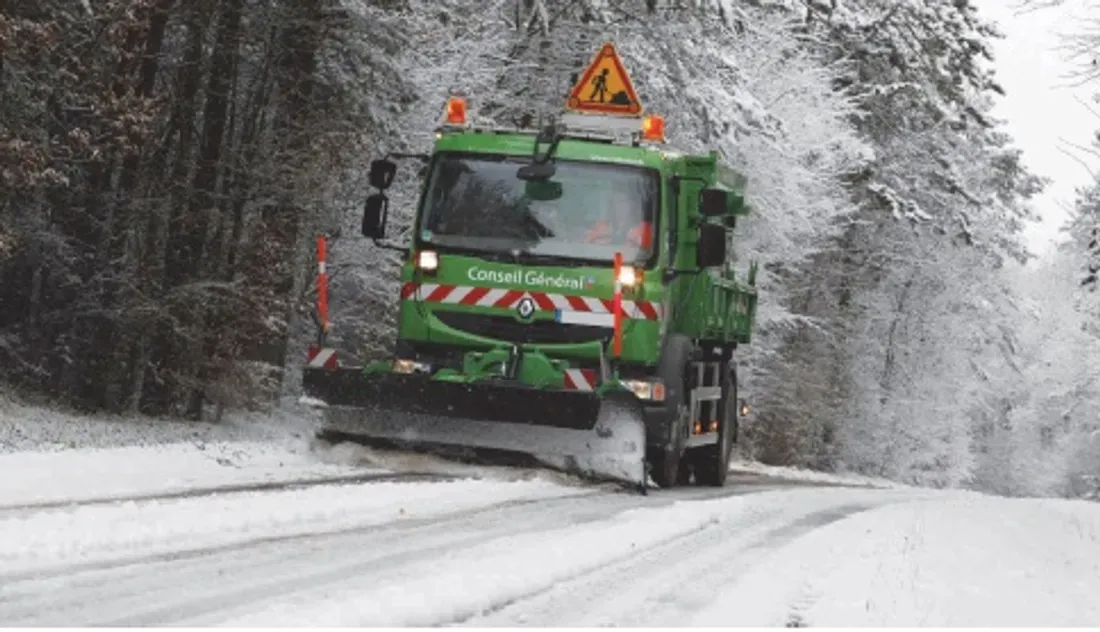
620, 224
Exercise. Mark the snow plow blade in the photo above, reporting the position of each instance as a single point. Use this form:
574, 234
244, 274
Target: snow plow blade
597, 437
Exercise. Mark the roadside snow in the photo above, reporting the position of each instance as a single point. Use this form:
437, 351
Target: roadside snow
94, 474
959, 560
810, 476
26, 427
64, 537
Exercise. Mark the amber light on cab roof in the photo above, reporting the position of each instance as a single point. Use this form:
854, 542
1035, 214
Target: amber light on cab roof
456, 111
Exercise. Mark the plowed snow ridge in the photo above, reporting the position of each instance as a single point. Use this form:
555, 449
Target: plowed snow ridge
87, 474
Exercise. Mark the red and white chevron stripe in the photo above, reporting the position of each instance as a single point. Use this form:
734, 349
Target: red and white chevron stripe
322, 358
503, 298
581, 380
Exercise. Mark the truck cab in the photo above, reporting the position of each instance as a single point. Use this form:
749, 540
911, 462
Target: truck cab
500, 257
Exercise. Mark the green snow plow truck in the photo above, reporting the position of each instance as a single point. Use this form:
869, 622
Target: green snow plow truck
566, 295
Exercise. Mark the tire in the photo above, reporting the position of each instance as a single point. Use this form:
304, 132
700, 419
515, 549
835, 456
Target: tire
712, 462
666, 455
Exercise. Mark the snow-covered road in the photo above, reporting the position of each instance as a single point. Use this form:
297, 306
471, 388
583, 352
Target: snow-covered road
499, 547
381, 553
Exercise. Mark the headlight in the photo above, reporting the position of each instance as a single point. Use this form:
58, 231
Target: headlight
402, 365
653, 391
427, 260
630, 276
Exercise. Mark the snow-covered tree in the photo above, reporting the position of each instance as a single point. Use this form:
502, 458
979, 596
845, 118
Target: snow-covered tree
165, 168
1049, 442
1084, 233
935, 213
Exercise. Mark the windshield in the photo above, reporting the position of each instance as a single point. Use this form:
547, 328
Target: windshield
586, 211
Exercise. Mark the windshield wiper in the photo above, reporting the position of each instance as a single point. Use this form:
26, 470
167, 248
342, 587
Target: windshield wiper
526, 257
519, 256
503, 256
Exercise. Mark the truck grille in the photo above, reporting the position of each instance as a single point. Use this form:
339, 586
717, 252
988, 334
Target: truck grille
509, 329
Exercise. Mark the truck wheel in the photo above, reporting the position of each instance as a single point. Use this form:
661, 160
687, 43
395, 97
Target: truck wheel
665, 456
712, 462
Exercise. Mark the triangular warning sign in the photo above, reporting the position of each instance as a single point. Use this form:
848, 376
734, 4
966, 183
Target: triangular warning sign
605, 87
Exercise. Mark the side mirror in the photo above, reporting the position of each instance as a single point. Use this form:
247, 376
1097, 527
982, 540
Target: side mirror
714, 202
536, 171
375, 211
711, 251
382, 172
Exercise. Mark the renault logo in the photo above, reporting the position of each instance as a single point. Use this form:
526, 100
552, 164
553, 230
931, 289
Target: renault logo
526, 307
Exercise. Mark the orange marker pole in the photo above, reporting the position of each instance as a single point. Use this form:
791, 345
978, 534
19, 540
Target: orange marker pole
618, 306
322, 285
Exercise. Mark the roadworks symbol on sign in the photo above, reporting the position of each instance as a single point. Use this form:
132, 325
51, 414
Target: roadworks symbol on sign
605, 87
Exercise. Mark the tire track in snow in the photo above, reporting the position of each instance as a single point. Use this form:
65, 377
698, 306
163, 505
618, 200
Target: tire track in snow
197, 586
139, 559
519, 568
203, 585
190, 549
7, 511
172, 591
20, 509
666, 584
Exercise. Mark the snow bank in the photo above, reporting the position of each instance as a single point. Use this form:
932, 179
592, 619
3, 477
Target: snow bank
95, 474
25, 427
49, 455
100, 533
811, 476
964, 560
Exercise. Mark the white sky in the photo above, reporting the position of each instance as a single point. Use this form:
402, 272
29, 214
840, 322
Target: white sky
1041, 110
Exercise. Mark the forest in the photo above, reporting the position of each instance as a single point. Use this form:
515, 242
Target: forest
165, 167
